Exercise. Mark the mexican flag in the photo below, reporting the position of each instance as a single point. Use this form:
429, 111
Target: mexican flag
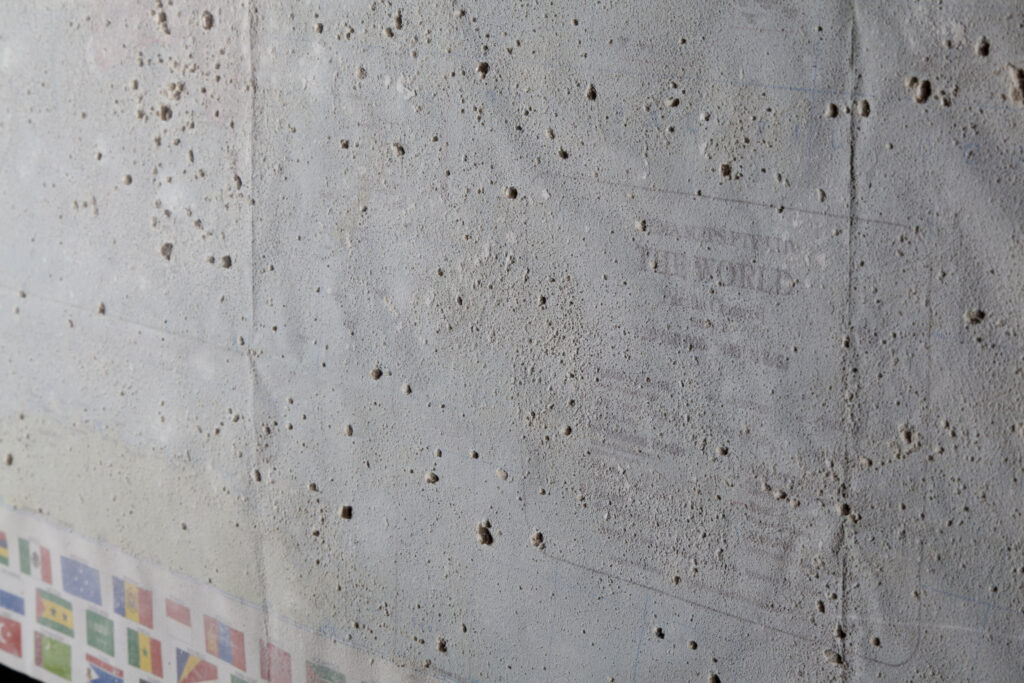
35, 560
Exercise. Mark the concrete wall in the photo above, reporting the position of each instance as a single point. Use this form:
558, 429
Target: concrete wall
519, 341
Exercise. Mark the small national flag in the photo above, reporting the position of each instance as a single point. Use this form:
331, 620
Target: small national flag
55, 612
144, 653
80, 579
275, 664
13, 602
5, 556
53, 656
224, 642
318, 673
192, 669
35, 560
99, 632
178, 624
178, 612
10, 636
101, 672
132, 602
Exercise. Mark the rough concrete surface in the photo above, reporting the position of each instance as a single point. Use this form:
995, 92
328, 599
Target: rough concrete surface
533, 341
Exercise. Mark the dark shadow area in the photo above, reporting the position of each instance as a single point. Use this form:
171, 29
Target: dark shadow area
13, 676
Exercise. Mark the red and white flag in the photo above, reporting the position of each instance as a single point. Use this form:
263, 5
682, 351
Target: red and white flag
10, 636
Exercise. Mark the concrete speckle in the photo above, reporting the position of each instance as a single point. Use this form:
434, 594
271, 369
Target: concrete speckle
1016, 77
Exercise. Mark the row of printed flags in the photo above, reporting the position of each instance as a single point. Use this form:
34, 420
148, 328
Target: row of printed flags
55, 613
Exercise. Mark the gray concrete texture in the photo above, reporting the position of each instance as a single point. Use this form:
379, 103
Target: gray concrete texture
605, 341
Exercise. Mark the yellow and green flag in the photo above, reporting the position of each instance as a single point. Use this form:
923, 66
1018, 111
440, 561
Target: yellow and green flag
55, 612
144, 653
